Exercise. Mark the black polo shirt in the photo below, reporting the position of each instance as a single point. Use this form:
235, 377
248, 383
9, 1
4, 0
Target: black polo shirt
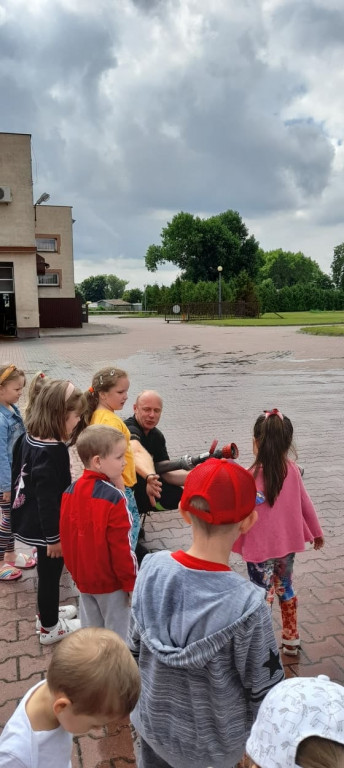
154, 442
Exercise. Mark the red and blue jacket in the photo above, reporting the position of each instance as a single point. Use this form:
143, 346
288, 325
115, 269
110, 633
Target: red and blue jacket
94, 531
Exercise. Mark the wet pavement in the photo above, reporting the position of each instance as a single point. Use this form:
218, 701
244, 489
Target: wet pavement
214, 381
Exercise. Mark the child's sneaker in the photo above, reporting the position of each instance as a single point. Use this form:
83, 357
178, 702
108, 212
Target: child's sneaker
63, 628
65, 612
291, 647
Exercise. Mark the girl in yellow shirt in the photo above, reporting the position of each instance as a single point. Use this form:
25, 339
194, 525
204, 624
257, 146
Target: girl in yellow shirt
108, 393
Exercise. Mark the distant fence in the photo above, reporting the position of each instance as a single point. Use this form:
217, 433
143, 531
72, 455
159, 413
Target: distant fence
210, 310
60, 313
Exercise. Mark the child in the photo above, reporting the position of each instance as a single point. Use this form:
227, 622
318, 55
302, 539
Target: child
108, 393
12, 381
201, 633
300, 723
95, 528
40, 475
37, 383
286, 520
91, 680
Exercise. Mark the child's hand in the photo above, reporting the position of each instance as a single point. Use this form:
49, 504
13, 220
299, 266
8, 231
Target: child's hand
318, 542
54, 550
6, 496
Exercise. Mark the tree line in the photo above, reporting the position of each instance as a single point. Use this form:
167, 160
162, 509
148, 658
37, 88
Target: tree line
279, 280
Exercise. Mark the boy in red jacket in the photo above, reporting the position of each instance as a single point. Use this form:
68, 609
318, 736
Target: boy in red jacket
95, 525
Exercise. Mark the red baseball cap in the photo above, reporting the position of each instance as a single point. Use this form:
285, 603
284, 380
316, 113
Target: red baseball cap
228, 488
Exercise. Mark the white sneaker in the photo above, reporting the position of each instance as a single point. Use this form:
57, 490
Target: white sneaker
65, 612
63, 628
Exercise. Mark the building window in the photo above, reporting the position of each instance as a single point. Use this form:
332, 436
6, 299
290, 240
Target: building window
51, 278
6, 279
47, 244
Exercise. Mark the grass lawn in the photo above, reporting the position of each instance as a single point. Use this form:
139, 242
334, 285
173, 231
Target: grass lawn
324, 330
286, 318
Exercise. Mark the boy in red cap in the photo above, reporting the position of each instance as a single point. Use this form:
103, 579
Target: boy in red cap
201, 633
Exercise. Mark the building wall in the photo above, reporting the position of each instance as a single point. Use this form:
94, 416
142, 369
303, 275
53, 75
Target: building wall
17, 228
56, 221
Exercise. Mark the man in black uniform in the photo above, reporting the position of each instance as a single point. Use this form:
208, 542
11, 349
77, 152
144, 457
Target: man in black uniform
143, 430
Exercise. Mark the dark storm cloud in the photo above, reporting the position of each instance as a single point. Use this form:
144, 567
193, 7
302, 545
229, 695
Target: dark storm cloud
151, 106
214, 131
149, 5
63, 51
311, 25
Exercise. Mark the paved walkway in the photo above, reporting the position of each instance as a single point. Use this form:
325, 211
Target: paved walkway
217, 380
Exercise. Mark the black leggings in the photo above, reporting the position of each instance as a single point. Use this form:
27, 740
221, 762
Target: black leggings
49, 571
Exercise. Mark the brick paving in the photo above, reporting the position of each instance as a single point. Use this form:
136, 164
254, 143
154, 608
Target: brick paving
214, 382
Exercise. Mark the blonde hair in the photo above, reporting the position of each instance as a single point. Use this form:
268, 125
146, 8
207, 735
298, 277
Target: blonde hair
9, 372
94, 668
37, 383
98, 440
50, 410
199, 503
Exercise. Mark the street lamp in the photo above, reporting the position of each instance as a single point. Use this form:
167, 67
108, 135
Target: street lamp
42, 199
145, 297
219, 269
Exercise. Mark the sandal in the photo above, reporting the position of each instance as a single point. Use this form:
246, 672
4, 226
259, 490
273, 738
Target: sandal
8, 573
22, 561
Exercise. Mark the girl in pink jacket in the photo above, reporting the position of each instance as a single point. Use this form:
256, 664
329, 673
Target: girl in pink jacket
286, 521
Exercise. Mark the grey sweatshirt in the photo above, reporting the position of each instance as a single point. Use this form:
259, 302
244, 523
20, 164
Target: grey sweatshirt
207, 655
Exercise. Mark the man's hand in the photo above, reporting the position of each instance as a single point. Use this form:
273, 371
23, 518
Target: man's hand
153, 488
54, 550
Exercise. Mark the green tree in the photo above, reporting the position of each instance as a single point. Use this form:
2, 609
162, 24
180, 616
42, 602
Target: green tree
93, 288
99, 287
337, 266
114, 287
198, 246
78, 293
133, 295
268, 296
286, 268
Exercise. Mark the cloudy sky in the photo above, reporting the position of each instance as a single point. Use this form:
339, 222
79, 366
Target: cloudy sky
141, 108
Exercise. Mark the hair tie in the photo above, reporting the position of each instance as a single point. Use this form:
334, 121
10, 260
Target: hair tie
91, 390
274, 412
70, 389
7, 372
41, 375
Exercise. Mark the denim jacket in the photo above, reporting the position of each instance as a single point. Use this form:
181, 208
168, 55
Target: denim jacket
11, 427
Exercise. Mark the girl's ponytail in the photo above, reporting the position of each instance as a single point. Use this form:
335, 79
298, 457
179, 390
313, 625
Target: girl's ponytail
273, 433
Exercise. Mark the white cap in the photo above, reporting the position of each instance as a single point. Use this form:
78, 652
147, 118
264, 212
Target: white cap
293, 711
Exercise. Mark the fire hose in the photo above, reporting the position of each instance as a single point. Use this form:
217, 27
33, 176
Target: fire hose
188, 461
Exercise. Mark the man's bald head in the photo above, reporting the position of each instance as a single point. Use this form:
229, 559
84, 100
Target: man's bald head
147, 409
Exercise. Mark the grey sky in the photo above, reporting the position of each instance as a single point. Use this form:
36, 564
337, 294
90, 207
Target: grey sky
141, 108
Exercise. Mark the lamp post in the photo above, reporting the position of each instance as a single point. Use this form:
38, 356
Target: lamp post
219, 269
145, 298
42, 199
